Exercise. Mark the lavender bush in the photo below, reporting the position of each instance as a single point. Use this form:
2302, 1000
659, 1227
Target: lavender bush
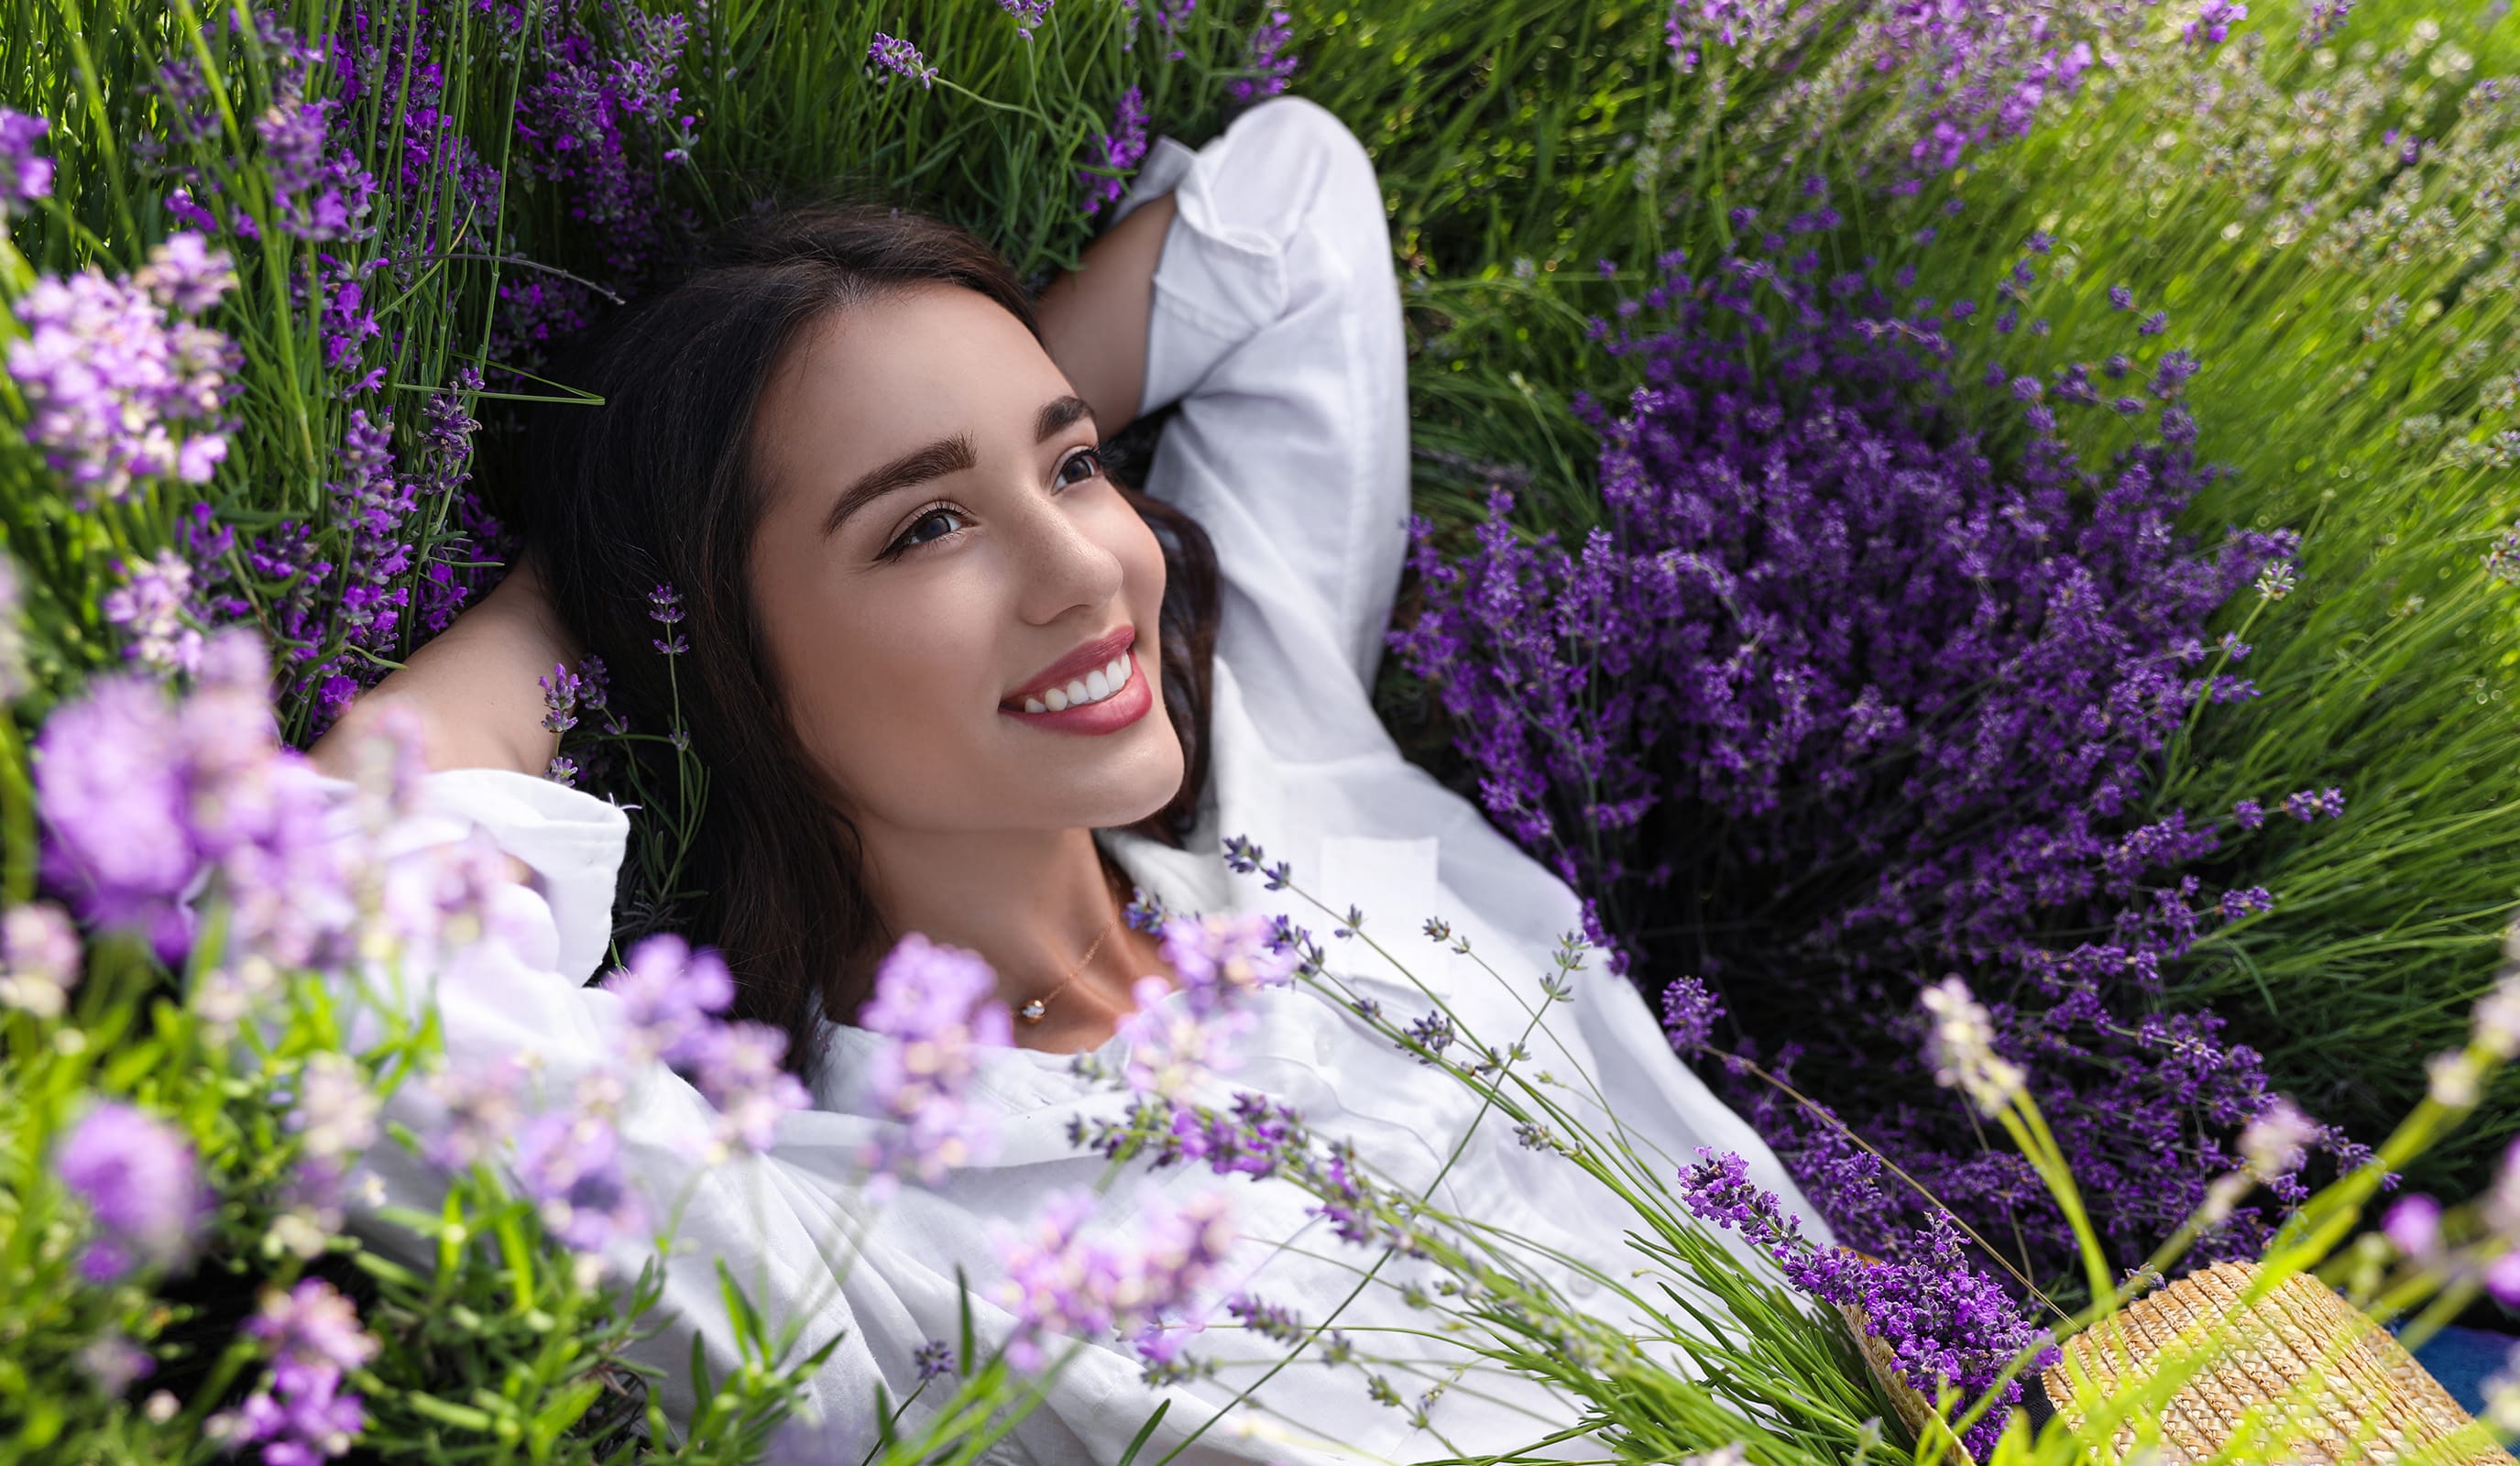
1840, 695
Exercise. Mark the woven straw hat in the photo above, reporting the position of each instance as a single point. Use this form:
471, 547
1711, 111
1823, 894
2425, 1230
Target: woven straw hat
2327, 1384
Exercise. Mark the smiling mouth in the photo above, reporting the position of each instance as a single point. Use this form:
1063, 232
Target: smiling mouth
1088, 675
1100, 685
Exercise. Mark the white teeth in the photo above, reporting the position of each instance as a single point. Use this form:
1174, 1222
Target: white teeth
1096, 685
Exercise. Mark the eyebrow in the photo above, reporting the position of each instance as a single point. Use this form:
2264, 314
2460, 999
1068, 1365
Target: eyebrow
944, 455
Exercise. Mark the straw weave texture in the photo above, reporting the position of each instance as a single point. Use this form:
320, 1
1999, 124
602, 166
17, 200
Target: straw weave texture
2301, 1375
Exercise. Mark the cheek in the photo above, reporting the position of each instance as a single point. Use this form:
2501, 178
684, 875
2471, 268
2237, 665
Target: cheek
876, 684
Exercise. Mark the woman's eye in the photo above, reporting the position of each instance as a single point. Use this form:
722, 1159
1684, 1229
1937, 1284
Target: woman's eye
933, 524
1090, 457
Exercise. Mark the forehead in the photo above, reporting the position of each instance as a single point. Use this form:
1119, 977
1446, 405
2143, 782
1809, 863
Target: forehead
904, 367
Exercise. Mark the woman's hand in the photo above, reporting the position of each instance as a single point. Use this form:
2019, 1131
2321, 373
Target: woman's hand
475, 692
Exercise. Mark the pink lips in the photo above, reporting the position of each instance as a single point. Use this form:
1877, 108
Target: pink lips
1113, 713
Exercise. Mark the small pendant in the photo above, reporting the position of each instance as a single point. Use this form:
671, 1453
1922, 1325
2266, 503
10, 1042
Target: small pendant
1033, 1010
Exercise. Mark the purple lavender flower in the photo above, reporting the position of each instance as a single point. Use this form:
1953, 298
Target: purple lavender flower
668, 992
313, 1325
1123, 147
570, 1167
899, 57
141, 1187
1058, 1281
1223, 959
1689, 1014
320, 188
300, 1415
933, 1360
1029, 14
1267, 57
736, 1066
2213, 21
665, 608
153, 608
1916, 685
2413, 1225
605, 104
2323, 19
937, 1005
1171, 1045
111, 381
24, 175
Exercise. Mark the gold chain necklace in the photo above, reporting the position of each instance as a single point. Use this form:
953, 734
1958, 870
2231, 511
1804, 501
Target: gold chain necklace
1031, 1012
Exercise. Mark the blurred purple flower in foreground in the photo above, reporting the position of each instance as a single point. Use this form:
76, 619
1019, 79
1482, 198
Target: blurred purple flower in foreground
142, 1186
937, 1005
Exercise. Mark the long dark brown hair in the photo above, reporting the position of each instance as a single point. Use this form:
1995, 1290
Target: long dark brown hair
657, 486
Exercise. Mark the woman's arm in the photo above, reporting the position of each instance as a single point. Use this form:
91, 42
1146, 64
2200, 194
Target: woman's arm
1093, 317
475, 690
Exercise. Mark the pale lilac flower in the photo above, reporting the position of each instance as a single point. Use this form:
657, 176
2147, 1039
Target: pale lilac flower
151, 607
142, 1186
899, 57
571, 1166
1224, 960
736, 1066
335, 1113
1170, 1046
2503, 1278
2275, 1143
24, 175
2323, 19
1056, 1281
111, 1361
39, 960
2497, 1020
937, 1005
1963, 1046
2413, 1225
111, 381
481, 1111
313, 1325
185, 274
668, 992
1181, 1249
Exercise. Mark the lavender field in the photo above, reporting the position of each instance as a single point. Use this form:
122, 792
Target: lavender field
1982, 541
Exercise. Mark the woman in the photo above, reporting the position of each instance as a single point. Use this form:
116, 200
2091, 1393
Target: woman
950, 679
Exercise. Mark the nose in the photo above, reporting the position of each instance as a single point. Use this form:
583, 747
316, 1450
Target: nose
1064, 566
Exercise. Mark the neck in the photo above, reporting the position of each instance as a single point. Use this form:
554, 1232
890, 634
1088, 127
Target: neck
1030, 903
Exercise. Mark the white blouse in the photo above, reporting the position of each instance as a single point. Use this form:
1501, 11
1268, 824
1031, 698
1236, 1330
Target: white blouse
1277, 328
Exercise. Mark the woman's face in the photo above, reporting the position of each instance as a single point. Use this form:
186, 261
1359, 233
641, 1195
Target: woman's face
958, 607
